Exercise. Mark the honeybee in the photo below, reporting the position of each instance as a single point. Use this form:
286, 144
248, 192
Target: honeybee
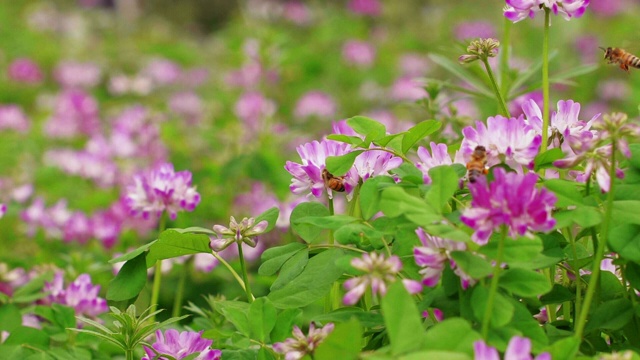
335, 183
478, 164
620, 56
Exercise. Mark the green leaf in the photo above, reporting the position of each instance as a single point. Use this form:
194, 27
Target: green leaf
352, 140
368, 319
565, 349
502, 312
368, 127
340, 165
291, 269
332, 222
270, 216
130, 280
429, 354
444, 183
236, 313
313, 283
357, 234
344, 342
625, 240
517, 253
626, 212
262, 319
546, 159
173, 244
473, 265
195, 230
308, 233
33, 286
419, 132
64, 316
525, 283
396, 202
611, 315
132, 254
447, 231
439, 337
566, 192
403, 321
10, 317
273, 258
557, 295
385, 140
28, 335
370, 193
584, 216
284, 323
461, 73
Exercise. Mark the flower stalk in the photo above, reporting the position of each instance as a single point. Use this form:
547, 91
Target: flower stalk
177, 303
486, 320
245, 276
503, 105
157, 275
545, 81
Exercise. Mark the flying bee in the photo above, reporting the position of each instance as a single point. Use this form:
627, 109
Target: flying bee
478, 164
620, 56
335, 183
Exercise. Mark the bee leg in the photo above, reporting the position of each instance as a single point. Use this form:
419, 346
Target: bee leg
624, 67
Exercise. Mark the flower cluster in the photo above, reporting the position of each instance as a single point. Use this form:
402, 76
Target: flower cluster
439, 156
75, 113
434, 254
358, 53
24, 70
300, 345
70, 74
518, 348
517, 10
315, 103
511, 200
81, 295
243, 232
480, 49
12, 117
162, 189
378, 273
179, 345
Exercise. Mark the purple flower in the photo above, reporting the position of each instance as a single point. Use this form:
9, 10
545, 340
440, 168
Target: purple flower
614, 90
315, 103
359, 53
517, 10
413, 65
307, 176
26, 71
518, 348
511, 200
187, 105
179, 345
76, 112
71, 74
434, 254
474, 29
439, 156
296, 12
162, 189
12, 117
407, 89
375, 162
516, 105
378, 273
300, 345
365, 7
252, 108
512, 139
608, 8
3, 210
162, 71
81, 295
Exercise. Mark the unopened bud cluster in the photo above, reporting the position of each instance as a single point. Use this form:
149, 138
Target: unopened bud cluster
480, 49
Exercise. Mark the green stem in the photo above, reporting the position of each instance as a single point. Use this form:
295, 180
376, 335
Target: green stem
129, 354
545, 82
551, 308
404, 158
177, 302
330, 301
599, 251
157, 274
576, 269
331, 212
486, 320
503, 105
245, 276
504, 57
231, 270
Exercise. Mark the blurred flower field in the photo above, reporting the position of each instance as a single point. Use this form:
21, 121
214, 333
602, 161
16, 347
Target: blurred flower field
357, 179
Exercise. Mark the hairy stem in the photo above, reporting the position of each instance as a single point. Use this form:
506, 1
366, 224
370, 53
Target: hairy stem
504, 57
545, 81
157, 275
486, 320
245, 275
599, 250
503, 105
232, 271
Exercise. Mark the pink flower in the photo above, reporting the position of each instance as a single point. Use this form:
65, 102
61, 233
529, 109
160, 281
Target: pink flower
81, 295
252, 108
12, 117
518, 348
512, 139
162, 72
180, 345
358, 53
407, 89
518, 10
516, 105
315, 103
300, 345
413, 65
26, 71
433, 256
439, 156
162, 189
511, 200
296, 12
76, 112
71, 74
365, 7
474, 30
375, 162
3, 210
187, 105
378, 273
307, 176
